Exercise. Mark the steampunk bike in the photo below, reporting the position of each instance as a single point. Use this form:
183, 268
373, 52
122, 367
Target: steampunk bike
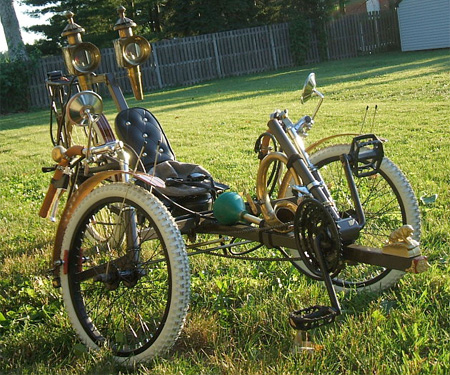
343, 214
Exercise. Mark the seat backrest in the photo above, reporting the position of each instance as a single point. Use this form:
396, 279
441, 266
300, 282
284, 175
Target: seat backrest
139, 129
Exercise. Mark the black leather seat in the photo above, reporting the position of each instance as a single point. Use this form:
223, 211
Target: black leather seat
139, 129
188, 185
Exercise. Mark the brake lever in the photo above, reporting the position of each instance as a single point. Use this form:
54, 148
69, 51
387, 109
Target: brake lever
49, 169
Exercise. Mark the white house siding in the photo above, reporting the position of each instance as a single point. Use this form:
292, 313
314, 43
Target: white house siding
424, 24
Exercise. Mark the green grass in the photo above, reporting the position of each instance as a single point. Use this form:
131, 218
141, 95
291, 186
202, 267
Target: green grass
237, 322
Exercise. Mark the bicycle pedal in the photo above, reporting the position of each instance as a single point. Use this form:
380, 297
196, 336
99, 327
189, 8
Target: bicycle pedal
366, 154
312, 317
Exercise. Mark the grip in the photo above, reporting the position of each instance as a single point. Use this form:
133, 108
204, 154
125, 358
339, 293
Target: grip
48, 201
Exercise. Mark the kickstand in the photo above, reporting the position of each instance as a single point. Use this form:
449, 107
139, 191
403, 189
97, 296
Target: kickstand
303, 343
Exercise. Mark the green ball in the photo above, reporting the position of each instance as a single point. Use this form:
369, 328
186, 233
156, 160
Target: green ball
228, 208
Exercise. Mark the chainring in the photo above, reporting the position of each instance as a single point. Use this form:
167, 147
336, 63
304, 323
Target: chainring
313, 222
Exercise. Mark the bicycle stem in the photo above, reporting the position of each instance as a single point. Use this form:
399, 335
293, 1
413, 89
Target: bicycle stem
349, 228
297, 162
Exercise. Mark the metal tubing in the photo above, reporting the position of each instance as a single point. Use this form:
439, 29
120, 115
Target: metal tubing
113, 88
352, 253
353, 192
299, 165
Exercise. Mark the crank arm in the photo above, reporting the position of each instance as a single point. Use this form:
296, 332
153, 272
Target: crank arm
316, 316
326, 277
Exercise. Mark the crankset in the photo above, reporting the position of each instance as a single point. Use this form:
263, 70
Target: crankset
314, 223
320, 247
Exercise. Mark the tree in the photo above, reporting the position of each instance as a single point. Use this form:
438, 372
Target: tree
207, 16
317, 13
157, 19
11, 28
97, 17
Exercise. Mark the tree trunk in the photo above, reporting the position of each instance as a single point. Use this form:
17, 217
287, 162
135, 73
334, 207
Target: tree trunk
11, 28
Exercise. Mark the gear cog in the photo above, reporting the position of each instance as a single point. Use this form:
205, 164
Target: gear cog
314, 224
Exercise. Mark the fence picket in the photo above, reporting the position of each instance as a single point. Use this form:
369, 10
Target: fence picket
191, 60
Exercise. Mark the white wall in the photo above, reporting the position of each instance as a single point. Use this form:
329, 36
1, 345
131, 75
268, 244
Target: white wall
424, 24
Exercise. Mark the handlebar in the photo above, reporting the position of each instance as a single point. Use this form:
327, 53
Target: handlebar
301, 127
50, 197
57, 184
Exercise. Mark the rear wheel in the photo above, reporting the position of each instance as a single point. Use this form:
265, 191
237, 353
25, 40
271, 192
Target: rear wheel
388, 202
126, 276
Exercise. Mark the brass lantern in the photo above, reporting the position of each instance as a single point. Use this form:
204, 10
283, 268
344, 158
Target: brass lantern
80, 58
131, 51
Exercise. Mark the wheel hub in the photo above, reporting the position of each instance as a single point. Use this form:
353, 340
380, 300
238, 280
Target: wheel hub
112, 279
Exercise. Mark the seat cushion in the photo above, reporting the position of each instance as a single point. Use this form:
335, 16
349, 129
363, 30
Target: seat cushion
181, 179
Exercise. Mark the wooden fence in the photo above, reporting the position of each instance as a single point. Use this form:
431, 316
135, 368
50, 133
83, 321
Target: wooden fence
360, 34
191, 60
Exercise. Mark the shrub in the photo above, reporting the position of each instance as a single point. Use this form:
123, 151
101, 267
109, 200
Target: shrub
14, 85
300, 39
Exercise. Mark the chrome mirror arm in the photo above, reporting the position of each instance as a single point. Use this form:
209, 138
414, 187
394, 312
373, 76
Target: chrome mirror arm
321, 96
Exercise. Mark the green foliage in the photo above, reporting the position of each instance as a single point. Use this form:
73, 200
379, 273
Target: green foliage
14, 83
158, 19
318, 13
26, 302
299, 36
207, 16
237, 322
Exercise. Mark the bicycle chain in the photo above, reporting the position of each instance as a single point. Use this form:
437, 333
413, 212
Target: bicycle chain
246, 230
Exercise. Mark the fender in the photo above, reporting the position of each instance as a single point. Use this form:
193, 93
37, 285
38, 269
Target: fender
84, 189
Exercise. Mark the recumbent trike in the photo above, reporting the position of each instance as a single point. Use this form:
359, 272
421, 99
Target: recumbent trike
342, 214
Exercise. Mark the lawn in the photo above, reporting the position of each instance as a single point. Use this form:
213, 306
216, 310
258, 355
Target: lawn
237, 322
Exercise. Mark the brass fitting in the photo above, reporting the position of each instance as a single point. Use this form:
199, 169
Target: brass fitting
131, 51
418, 265
81, 58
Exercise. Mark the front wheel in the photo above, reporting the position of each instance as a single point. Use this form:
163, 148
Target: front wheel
125, 278
388, 202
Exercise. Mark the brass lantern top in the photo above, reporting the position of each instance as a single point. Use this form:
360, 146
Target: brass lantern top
72, 31
124, 25
81, 58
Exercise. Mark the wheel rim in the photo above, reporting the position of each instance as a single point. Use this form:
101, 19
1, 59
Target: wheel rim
122, 302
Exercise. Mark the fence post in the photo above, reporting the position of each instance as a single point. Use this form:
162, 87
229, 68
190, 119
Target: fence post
376, 19
216, 55
158, 72
272, 46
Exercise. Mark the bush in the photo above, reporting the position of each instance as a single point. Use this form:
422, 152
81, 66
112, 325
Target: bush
14, 85
300, 37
